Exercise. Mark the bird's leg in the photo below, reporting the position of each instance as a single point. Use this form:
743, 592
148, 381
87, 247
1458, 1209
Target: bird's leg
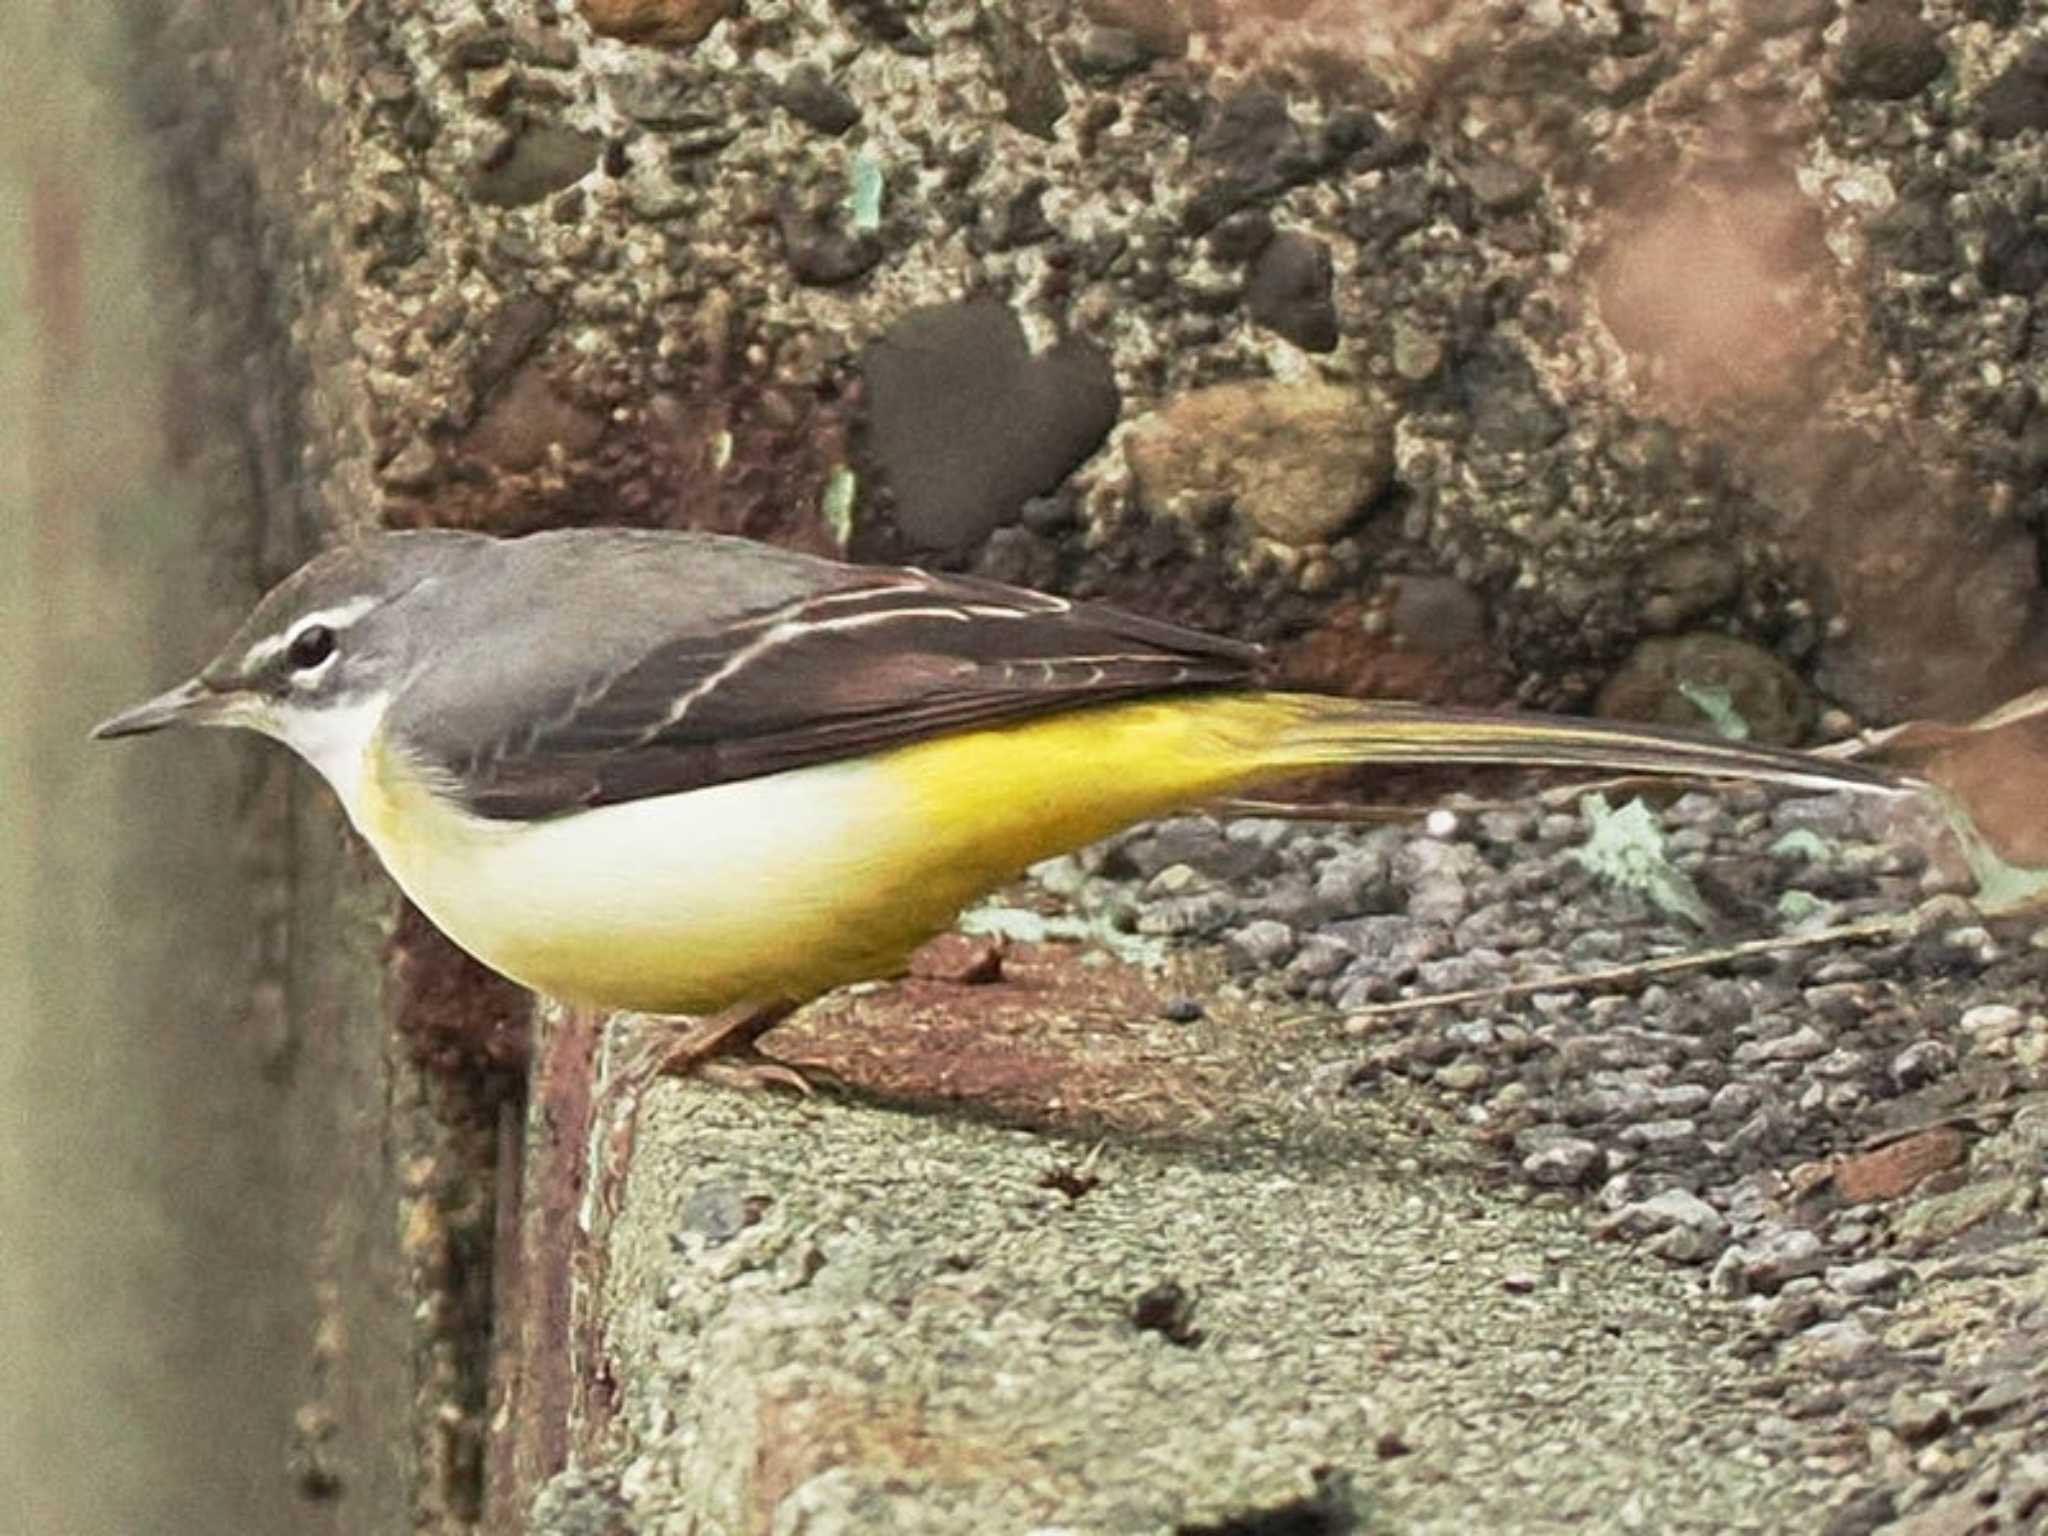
720, 1048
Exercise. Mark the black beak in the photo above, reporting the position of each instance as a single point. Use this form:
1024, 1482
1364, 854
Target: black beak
190, 703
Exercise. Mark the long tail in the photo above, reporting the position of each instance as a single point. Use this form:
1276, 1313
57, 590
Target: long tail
1297, 731
969, 808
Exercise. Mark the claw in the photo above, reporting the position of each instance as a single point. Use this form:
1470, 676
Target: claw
757, 1075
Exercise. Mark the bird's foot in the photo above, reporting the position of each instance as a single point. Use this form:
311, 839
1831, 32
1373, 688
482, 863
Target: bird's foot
720, 1049
754, 1073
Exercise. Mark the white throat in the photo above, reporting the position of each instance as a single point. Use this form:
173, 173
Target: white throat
334, 738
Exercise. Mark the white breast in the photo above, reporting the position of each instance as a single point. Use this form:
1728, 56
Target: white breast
675, 904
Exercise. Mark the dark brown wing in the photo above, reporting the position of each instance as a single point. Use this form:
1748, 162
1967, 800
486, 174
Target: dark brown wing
890, 657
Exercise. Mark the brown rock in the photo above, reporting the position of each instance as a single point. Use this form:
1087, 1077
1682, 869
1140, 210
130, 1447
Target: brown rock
533, 164
1889, 1171
1888, 53
667, 23
1686, 581
1160, 26
1300, 461
1712, 679
1989, 767
1058, 1039
527, 419
965, 960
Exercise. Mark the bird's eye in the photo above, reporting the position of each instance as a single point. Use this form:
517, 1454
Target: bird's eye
310, 646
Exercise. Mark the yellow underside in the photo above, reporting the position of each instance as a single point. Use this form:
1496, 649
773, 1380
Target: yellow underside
784, 886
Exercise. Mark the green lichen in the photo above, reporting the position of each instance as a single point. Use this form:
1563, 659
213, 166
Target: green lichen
864, 195
1019, 925
1626, 849
836, 506
1718, 705
1802, 843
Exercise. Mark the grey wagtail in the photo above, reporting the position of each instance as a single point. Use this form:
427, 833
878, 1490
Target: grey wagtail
680, 772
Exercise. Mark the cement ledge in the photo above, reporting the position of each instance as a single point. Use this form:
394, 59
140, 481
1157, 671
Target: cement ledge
837, 1316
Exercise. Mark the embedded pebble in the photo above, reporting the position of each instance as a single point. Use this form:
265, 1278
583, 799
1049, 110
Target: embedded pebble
1991, 1021
1922, 1062
1668, 1138
1802, 1044
1998, 1398
1568, 1161
1463, 1076
1689, 1230
1917, 1417
1837, 1341
1263, 942
1868, 1278
1774, 1257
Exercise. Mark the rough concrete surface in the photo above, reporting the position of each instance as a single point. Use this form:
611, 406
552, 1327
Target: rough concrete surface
849, 1318
842, 1315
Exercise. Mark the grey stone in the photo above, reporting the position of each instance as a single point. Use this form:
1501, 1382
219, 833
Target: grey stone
1871, 1277
1888, 52
1393, 941
1437, 876
1840, 1066
1510, 410
1921, 1063
1700, 1231
1733, 1101
1463, 1076
1999, 1397
1354, 880
1201, 914
1802, 1044
1263, 943
1780, 1255
1565, 1162
2017, 100
1663, 1138
1991, 1021
1034, 100
1288, 292
1108, 53
1318, 957
968, 424
1684, 1099
1917, 1417
1938, 914
810, 95
1688, 1245
1610, 1102
1469, 971
1256, 151
1838, 1342
534, 164
2015, 255
823, 253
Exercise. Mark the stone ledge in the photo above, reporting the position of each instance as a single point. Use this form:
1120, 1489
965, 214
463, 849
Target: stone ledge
839, 1316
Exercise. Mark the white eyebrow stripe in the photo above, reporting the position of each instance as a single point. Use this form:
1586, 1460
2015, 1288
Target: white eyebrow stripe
338, 617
